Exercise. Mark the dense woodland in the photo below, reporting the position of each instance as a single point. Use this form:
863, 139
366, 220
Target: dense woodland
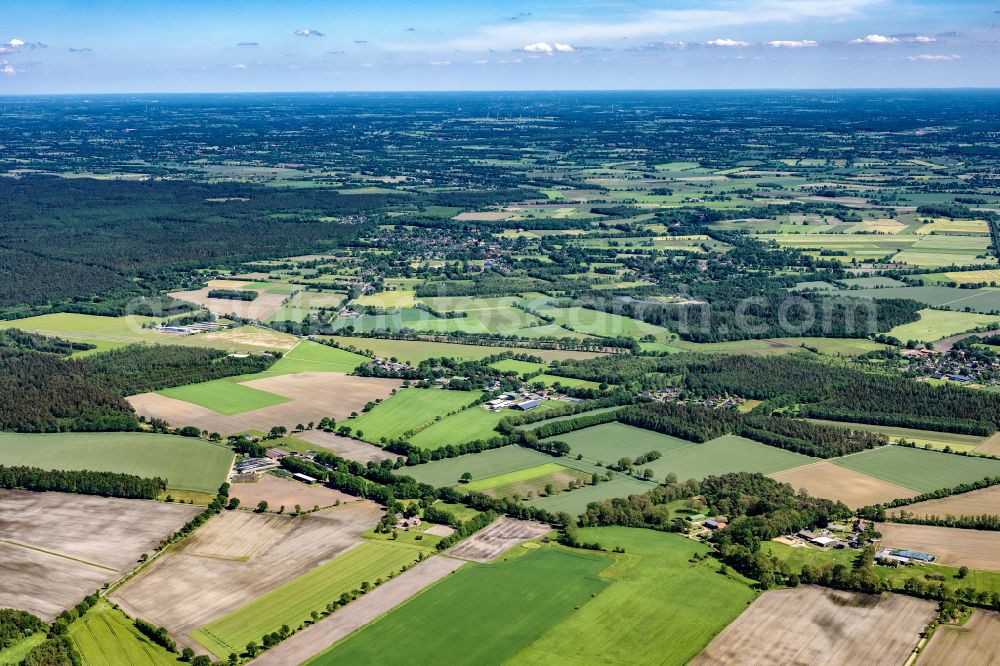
813, 388
105, 484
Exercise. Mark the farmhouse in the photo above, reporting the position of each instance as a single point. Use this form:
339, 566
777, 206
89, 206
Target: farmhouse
298, 476
528, 404
714, 524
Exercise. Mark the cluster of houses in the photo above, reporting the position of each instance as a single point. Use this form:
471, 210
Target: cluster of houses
525, 400
954, 365
388, 366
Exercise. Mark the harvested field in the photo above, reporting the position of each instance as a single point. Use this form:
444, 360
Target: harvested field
975, 503
236, 535
183, 591
974, 643
357, 614
57, 548
45, 584
313, 396
345, 447
279, 492
107, 531
504, 534
976, 549
824, 479
261, 308
812, 625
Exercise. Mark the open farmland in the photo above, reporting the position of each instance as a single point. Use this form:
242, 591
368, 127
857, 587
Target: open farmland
811, 625
224, 397
261, 308
408, 411
317, 637
976, 549
985, 501
279, 492
309, 356
530, 481
825, 479
186, 463
446, 472
937, 324
481, 614
489, 543
919, 469
293, 602
105, 637
345, 447
575, 502
466, 426
728, 453
660, 607
975, 642
184, 590
57, 548
609, 442
306, 396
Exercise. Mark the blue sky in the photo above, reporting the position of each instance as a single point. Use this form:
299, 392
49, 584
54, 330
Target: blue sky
90, 46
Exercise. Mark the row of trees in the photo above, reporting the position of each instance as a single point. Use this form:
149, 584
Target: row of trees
105, 484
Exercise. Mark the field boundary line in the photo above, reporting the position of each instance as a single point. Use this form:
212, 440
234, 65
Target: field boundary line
56, 554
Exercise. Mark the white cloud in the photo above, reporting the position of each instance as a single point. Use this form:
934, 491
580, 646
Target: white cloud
728, 43
7, 69
15, 43
564, 48
308, 32
440, 63
933, 58
793, 43
875, 39
538, 47
481, 62
652, 24
920, 39
239, 66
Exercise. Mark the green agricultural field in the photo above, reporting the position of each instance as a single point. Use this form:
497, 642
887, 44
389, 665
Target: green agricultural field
186, 463
918, 469
984, 300
309, 356
459, 511
938, 440
224, 396
574, 502
468, 425
520, 367
446, 472
105, 637
408, 411
728, 453
659, 608
292, 603
550, 380
937, 324
594, 322
532, 426
516, 476
481, 614
610, 442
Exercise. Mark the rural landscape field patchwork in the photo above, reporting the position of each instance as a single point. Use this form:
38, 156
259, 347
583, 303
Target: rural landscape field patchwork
584, 377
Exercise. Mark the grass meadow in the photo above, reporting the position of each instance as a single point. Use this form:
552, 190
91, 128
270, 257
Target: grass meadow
918, 469
481, 614
411, 409
186, 463
659, 608
224, 396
